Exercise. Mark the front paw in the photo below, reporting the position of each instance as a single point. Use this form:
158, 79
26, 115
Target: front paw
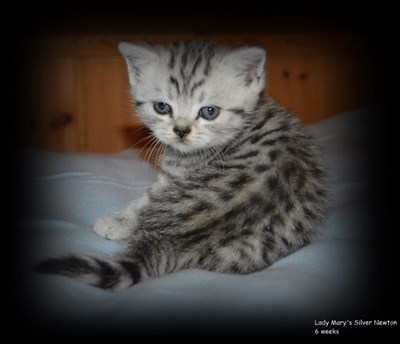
112, 227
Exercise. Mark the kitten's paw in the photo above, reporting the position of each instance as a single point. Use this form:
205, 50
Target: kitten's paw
111, 227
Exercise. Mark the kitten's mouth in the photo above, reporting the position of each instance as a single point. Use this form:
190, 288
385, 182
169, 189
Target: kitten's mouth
181, 140
182, 145
175, 142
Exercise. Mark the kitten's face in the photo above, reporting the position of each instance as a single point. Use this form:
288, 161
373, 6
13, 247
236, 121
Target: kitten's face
194, 96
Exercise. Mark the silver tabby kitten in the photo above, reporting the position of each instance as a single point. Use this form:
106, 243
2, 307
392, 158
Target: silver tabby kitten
239, 186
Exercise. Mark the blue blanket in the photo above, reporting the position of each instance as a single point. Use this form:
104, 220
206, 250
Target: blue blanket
68, 191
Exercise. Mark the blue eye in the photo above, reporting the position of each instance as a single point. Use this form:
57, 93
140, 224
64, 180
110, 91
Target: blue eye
162, 108
209, 112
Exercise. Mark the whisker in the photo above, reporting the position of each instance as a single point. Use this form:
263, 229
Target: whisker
142, 139
154, 146
160, 153
146, 147
147, 144
150, 149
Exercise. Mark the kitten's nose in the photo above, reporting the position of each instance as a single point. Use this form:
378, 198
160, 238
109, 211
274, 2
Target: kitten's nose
181, 131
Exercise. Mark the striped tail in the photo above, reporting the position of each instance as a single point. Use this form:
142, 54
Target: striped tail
102, 273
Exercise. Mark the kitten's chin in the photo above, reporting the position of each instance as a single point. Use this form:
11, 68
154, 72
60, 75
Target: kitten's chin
187, 147
183, 147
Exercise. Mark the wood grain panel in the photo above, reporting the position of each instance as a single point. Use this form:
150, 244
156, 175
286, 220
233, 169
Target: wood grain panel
106, 45
103, 102
52, 122
80, 99
319, 86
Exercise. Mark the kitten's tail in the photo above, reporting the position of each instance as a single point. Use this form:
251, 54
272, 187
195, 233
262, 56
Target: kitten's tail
102, 273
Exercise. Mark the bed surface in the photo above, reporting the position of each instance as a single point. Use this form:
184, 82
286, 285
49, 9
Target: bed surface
66, 192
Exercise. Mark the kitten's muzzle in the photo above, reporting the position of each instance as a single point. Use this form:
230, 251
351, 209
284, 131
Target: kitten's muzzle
181, 131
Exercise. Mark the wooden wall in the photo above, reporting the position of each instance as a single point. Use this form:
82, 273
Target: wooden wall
78, 88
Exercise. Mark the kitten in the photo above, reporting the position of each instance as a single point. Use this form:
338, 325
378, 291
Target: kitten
240, 184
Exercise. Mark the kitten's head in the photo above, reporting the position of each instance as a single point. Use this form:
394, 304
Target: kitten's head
194, 96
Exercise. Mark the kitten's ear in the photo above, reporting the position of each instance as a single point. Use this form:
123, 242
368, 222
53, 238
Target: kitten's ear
138, 56
249, 64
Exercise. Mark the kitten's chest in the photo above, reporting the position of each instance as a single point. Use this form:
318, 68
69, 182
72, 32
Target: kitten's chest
176, 172
187, 167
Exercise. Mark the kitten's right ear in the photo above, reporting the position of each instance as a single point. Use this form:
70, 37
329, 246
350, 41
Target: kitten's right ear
138, 56
248, 63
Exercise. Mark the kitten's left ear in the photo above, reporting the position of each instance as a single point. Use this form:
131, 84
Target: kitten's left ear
249, 64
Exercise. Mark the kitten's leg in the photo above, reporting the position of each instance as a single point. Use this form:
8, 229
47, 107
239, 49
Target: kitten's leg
121, 224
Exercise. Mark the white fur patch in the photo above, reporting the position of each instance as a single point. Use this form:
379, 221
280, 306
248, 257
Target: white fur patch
109, 227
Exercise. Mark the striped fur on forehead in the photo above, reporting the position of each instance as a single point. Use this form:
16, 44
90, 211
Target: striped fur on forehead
190, 64
191, 56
